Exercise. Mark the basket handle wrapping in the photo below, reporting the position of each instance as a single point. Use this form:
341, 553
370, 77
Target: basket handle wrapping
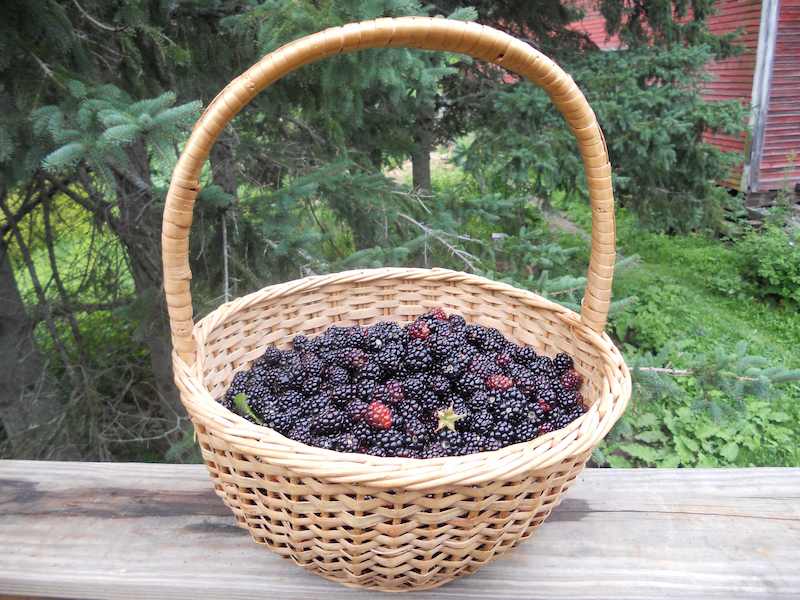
480, 42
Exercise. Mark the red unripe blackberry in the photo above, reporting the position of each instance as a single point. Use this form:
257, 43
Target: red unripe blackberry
571, 380
419, 330
379, 415
438, 313
498, 382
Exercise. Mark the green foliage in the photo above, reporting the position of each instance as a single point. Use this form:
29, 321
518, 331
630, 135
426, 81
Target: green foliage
770, 263
648, 103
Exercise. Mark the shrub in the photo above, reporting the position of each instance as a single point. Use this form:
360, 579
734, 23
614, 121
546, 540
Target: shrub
770, 263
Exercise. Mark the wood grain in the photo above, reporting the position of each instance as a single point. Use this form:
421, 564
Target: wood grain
159, 531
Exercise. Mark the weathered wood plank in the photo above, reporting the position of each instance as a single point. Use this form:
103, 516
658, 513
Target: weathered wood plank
82, 530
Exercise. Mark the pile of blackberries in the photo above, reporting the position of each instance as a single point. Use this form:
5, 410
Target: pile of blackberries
436, 387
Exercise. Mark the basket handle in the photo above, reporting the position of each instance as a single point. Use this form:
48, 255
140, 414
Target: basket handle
480, 42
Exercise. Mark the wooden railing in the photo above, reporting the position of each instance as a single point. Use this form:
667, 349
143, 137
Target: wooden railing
88, 530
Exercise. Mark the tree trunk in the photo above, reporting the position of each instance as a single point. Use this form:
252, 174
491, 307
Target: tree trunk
140, 231
421, 152
30, 410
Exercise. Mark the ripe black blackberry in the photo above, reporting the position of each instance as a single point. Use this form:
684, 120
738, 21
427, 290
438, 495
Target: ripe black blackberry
331, 421
525, 355
364, 434
456, 322
428, 401
562, 362
356, 410
503, 432
310, 385
300, 343
526, 431
291, 400
413, 387
390, 359
450, 440
471, 443
469, 384
442, 345
390, 441
239, 385
434, 450
281, 421
343, 394
543, 365
311, 365
493, 341
355, 358
479, 422
365, 388
346, 442
525, 381
417, 356
371, 370
475, 335
484, 400
484, 366
261, 406
271, 357
439, 384
336, 375
512, 405
301, 432
417, 433
546, 394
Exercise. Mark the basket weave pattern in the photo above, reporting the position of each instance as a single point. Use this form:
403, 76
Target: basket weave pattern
390, 523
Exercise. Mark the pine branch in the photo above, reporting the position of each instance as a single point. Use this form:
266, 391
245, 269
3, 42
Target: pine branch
96, 22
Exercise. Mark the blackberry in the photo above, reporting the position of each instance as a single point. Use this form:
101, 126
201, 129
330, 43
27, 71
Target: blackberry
469, 384
394, 392
356, 410
546, 394
336, 375
390, 440
342, 394
475, 335
512, 405
271, 357
324, 441
491, 444
261, 407
311, 385
456, 322
484, 400
371, 370
471, 443
434, 450
409, 411
365, 388
346, 442
525, 381
417, 434
483, 366
503, 360
543, 365
562, 362
413, 387
571, 379
479, 422
525, 355
439, 384
390, 359
355, 358
436, 314
311, 365
418, 357
493, 341
291, 400
503, 432
364, 434
281, 421
450, 440
279, 379
331, 421
301, 432
442, 345
526, 431
454, 365
428, 401
300, 343
418, 329
379, 416
545, 428
498, 382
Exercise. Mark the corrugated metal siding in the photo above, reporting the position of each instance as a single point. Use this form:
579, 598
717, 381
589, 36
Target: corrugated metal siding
778, 166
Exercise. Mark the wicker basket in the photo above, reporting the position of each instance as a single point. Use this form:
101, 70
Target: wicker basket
390, 523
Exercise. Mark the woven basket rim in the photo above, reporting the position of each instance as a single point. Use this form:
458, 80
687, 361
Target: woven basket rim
506, 463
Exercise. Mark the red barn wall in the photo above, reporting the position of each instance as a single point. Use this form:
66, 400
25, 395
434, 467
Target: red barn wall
780, 156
